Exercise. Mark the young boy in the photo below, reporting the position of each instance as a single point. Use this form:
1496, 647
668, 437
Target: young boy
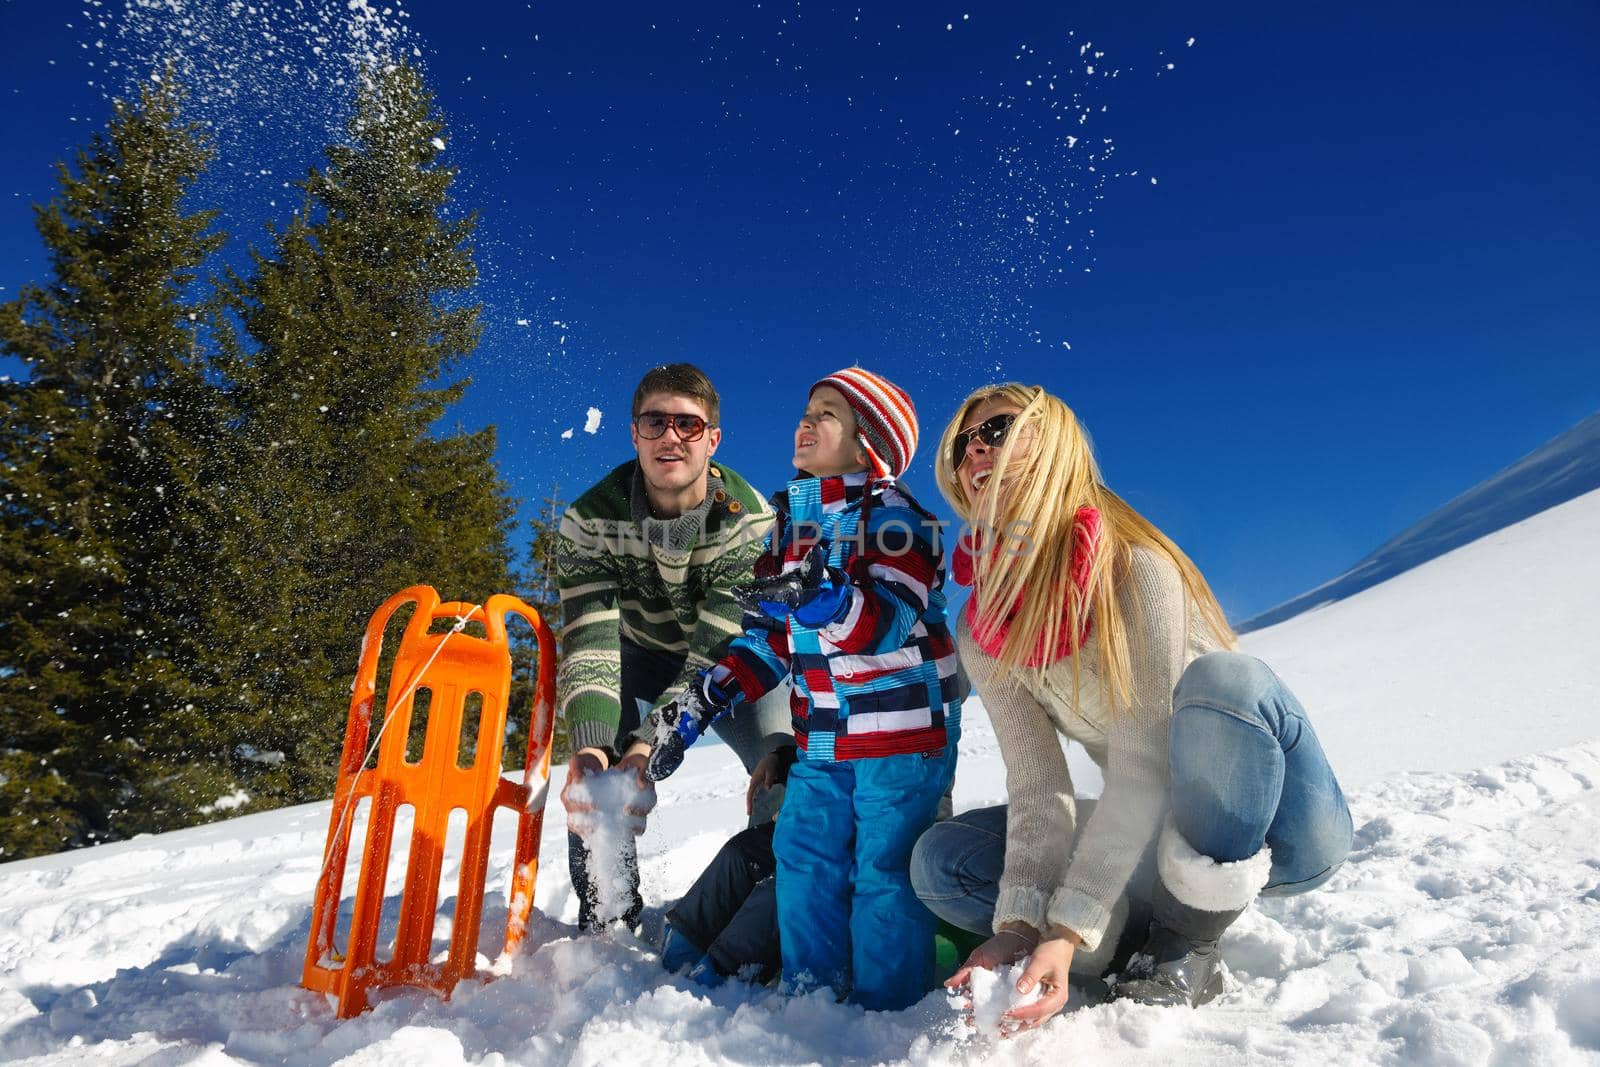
848, 603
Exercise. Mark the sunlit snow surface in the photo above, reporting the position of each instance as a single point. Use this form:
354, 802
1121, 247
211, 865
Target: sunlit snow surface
1462, 930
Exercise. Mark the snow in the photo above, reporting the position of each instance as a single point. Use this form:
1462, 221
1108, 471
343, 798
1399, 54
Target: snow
591, 420
236, 799
617, 812
1483, 652
993, 994
1458, 702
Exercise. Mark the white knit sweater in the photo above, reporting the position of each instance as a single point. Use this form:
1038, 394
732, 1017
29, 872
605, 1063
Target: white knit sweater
1047, 879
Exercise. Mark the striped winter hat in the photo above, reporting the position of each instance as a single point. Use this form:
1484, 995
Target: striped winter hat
886, 420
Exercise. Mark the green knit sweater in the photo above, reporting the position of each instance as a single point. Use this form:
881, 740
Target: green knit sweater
661, 584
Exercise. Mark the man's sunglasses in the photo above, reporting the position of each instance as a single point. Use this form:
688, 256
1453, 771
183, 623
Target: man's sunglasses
652, 424
991, 431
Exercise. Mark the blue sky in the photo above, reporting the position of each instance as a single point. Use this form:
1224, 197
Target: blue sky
1330, 269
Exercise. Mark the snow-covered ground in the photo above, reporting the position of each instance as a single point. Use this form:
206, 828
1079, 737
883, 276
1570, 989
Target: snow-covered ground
1460, 702
1490, 651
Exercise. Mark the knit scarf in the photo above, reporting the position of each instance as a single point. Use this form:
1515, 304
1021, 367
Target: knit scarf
1085, 543
678, 534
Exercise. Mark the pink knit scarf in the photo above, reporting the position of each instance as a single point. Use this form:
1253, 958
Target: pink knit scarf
1085, 543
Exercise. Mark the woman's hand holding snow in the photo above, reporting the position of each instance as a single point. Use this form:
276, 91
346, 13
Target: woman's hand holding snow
1003, 989
991, 997
1045, 982
1008, 946
682, 722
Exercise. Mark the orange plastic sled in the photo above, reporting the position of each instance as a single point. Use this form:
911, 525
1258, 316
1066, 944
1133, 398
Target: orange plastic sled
455, 772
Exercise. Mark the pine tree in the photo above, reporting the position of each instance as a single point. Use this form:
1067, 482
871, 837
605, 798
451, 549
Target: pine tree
546, 530
340, 490
93, 442
539, 592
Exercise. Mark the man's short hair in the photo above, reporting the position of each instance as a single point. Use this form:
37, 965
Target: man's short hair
680, 379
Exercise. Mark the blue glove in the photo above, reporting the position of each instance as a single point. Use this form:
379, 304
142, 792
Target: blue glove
793, 591
681, 724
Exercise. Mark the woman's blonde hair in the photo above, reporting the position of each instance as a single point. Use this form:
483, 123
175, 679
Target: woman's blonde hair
1033, 525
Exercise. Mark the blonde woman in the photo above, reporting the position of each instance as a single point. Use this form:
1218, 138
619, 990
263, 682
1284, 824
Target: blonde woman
1086, 621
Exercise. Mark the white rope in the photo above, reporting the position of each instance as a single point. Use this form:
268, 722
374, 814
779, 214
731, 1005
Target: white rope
461, 624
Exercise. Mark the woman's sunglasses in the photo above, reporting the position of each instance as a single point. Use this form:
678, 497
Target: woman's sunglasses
652, 424
991, 431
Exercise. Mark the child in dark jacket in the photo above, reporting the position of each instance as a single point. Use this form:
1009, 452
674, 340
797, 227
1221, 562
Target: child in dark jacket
848, 603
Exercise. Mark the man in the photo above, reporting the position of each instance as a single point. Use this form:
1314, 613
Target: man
644, 565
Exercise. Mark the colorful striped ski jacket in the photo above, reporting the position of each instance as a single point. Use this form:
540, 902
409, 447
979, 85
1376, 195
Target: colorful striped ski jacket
878, 676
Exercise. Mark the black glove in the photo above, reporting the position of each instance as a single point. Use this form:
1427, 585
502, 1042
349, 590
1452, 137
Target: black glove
777, 596
681, 724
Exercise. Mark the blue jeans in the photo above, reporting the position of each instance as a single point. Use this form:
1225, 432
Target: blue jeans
1246, 768
847, 914
1248, 771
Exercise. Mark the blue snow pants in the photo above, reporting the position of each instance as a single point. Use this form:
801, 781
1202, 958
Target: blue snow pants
847, 915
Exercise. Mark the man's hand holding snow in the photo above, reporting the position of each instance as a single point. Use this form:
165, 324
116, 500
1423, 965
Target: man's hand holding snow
578, 794
607, 810
683, 721
582, 765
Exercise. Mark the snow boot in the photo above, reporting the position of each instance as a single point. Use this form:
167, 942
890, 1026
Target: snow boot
706, 974
677, 951
1195, 900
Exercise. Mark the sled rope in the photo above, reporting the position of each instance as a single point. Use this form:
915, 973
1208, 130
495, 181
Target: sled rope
461, 624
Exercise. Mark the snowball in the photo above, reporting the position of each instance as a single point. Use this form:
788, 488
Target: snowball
994, 993
235, 799
591, 421
1440, 968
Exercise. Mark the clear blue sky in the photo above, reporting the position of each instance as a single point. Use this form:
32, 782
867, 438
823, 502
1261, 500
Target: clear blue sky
1362, 280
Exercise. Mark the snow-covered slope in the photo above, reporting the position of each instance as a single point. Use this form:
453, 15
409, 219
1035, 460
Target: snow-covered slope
1460, 703
1485, 652
1561, 469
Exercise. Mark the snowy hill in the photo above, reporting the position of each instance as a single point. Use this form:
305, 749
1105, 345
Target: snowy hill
1459, 701
1554, 473
1485, 652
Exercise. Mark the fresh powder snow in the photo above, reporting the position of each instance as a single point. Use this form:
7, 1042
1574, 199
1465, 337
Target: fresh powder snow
617, 811
1459, 703
992, 994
